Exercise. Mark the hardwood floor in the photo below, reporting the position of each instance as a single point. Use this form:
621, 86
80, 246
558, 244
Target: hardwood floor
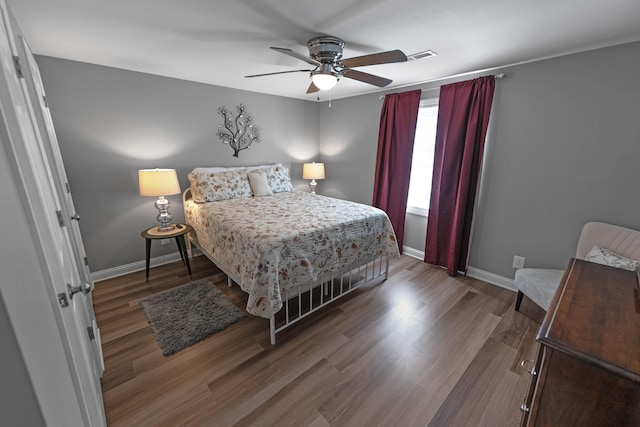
420, 349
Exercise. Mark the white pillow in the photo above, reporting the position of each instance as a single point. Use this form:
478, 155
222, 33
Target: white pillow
606, 257
259, 184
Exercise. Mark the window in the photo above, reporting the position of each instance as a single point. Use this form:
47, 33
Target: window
422, 161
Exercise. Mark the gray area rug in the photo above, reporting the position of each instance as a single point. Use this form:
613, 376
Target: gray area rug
183, 316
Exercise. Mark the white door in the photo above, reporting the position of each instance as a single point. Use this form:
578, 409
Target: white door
68, 290
34, 90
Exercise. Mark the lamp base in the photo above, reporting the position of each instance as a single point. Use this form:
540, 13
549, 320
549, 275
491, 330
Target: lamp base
164, 217
313, 184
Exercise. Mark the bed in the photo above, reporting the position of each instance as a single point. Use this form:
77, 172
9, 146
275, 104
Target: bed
292, 252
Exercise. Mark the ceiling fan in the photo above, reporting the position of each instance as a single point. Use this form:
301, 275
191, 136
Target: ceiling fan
325, 54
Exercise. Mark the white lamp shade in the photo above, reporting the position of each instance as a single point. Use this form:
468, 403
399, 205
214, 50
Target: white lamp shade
313, 171
324, 81
158, 182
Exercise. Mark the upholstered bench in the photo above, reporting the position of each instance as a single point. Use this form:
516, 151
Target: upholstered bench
599, 242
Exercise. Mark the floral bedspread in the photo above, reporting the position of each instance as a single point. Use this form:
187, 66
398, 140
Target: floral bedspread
273, 243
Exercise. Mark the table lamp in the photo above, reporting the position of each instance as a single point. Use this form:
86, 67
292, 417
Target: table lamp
313, 171
160, 183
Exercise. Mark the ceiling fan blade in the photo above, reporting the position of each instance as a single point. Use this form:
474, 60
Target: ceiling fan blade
296, 55
313, 88
375, 58
278, 72
366, 78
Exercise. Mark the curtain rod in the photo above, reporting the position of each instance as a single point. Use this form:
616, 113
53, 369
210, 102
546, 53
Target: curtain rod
498, 76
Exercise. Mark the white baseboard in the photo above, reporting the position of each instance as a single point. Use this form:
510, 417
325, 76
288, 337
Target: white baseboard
476, 273
494, 279
109, 273
413, 253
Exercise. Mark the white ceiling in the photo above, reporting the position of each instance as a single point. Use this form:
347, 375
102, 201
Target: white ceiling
219, 42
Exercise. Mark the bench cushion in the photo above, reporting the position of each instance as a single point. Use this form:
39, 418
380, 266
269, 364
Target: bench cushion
539, 284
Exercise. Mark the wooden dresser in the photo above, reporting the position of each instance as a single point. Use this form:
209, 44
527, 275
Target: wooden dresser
587, 371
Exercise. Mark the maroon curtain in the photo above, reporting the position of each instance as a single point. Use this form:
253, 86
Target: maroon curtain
463, 117
395, 149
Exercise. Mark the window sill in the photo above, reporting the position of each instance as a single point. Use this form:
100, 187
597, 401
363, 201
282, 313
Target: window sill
417, 211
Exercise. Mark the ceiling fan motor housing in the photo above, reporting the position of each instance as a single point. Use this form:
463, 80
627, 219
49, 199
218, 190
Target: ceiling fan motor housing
326, 49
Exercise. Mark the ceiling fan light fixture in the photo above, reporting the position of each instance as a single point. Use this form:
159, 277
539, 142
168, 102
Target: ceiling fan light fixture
324, 81
324, 78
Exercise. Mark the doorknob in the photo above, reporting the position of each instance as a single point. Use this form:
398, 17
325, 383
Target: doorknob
84, 287
75, 217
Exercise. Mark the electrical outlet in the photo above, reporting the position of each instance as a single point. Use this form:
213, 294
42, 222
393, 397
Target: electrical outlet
518, 261
165, 242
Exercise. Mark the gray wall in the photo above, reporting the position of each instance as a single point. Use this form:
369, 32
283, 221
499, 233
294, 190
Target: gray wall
348, 145
562, 149
112, 122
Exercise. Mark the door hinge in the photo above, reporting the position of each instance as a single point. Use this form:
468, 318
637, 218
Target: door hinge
63, 300
66, 184
16, 62
60, 218
86, 261
92, 335
44, 99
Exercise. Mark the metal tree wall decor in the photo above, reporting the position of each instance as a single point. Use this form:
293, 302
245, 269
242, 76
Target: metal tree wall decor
238, 129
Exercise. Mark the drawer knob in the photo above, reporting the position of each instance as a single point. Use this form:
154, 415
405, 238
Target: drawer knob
533, 370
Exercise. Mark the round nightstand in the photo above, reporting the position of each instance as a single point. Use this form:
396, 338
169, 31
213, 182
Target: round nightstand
178, 232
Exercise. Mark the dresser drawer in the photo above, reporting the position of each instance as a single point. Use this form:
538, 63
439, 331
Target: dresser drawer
534, 367
570, 392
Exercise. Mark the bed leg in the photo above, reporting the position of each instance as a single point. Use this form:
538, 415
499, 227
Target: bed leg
386, 271
272, 329
189, 250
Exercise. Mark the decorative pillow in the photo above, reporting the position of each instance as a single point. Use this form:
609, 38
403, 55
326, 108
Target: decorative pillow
259, 183
200, 173
605, 256
220, 186
194, 181
279, 179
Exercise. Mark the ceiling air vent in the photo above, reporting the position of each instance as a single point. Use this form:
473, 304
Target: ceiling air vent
420, 55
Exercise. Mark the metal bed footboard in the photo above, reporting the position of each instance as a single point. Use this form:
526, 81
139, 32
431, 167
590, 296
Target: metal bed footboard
331, 289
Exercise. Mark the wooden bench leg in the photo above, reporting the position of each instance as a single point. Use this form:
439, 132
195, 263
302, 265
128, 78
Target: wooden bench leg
519, 300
